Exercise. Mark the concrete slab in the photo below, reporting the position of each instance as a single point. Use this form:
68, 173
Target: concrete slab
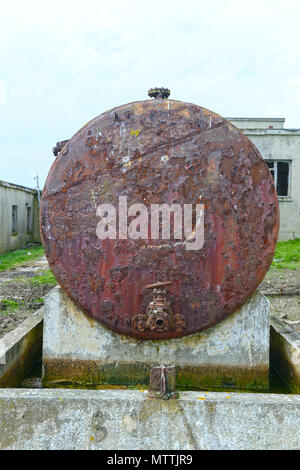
117, 420
78, 351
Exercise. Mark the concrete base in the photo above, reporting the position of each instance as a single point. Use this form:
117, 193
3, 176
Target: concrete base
80, 352
125, 419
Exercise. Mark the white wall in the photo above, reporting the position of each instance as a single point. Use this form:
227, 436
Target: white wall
14, 195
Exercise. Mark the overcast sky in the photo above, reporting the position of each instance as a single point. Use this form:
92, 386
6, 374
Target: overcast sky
64, 62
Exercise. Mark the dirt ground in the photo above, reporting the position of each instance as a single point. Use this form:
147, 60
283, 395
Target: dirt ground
19, 298
282, 287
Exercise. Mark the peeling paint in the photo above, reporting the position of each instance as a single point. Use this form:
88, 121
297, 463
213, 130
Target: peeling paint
181, 150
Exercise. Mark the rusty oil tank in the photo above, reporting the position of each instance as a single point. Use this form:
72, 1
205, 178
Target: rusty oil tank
153, 152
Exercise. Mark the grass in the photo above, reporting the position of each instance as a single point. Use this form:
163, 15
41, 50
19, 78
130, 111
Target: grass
46, 278
40, 300
287, 255
10, 304
15, 258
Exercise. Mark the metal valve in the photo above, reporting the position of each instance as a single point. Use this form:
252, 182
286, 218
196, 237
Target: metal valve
159, 315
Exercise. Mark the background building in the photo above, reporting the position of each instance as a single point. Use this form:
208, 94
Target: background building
281, 149
19, 216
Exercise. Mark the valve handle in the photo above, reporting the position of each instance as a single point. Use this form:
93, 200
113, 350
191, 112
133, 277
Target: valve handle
158, 284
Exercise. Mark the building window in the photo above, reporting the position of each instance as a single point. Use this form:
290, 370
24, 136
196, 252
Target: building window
14, 219
280, 170
28, 219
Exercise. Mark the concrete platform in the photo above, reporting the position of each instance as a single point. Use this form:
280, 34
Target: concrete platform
124, 419
80, 352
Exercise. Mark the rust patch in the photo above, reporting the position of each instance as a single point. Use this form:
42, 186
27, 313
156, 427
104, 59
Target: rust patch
163, 382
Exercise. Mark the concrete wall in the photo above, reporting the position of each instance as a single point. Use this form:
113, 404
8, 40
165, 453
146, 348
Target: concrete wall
20, 349
276, 143
129, 420
11, 194
285, 353
257, 123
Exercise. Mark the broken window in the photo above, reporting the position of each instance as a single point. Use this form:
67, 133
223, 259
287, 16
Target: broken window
280, 170
14, 219
29, 219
